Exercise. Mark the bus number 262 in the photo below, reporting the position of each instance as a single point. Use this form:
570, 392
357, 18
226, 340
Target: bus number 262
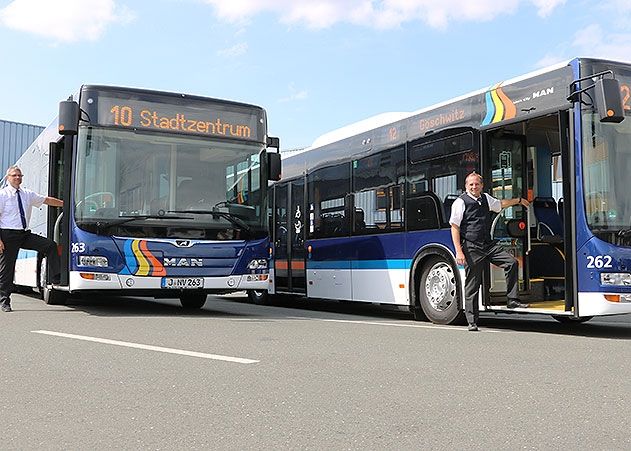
599, 261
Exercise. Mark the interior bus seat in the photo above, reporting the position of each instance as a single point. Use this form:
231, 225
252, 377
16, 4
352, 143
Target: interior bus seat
424, 211
549, 224
447, 203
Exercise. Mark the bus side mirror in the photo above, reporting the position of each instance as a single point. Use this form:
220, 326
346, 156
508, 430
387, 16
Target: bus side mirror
68, 117
273, 166
608, 100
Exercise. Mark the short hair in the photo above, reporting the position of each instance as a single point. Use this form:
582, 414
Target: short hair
13, 168
474, 174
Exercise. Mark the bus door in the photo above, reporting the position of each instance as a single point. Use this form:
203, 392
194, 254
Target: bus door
506, 178
59, 187
289, 230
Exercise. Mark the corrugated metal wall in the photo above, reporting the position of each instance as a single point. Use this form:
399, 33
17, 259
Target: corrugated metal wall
14, 140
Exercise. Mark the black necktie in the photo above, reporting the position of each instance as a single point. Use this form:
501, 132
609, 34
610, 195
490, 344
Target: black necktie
21, 207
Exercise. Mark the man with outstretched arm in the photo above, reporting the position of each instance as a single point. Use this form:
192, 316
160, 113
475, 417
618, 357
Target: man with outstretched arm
471, 234
15, 212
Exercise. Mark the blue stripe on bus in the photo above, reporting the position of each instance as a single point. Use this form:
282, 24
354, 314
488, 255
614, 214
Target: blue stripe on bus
360, 264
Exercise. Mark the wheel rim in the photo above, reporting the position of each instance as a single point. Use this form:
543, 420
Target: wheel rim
440, 286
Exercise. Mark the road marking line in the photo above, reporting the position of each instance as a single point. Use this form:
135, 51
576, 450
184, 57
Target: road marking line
147, 347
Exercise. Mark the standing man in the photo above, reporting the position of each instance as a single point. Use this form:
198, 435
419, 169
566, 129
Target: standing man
471, 234
15, 212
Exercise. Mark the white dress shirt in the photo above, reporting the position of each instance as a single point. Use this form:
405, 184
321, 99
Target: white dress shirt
9, 210
457, 208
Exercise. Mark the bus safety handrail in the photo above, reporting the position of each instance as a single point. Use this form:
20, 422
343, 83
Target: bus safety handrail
529, 244
57, 228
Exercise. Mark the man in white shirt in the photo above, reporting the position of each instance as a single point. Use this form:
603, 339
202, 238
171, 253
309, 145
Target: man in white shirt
471, 234
15, 212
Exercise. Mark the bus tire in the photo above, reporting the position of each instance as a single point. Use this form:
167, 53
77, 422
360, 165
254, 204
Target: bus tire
259, 297
193, 300
46, 292
53, 297
439, 296
571, 319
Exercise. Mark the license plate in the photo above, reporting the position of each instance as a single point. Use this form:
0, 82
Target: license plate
183, 282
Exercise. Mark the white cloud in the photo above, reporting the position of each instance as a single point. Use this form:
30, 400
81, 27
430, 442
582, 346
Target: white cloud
294, 94
234, 51
593, 41
64, 20
376, 13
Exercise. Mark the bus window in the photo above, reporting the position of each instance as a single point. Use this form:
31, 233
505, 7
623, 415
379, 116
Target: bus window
378, 190
328, 190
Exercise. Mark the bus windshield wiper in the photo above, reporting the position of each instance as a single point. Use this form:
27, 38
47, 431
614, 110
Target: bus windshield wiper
232, 218
104, 225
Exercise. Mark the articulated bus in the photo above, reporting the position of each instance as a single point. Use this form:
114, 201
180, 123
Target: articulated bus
363, 215
165, 196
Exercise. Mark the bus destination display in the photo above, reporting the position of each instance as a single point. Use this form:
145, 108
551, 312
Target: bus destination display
139, 114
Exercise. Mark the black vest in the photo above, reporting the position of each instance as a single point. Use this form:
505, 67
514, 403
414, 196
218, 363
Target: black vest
476, 221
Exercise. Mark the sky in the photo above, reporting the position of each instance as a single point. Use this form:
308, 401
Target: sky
314, 65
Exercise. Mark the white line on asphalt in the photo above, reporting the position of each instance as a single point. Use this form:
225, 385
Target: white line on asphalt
147, 347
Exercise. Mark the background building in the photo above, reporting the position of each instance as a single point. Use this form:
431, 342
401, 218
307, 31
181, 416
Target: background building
14, 140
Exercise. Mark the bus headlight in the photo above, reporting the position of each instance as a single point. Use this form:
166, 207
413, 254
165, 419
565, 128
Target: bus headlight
92, 260
615, 278
260, 263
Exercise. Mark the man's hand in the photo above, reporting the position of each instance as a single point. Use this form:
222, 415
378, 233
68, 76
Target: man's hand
1, 247
460, 258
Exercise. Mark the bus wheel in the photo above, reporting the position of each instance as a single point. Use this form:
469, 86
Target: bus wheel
48, 295
439, 294
259, 297
571, 319
193, 300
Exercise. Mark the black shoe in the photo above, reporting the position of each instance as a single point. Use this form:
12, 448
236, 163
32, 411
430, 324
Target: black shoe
473, 327
514, 303
6, 308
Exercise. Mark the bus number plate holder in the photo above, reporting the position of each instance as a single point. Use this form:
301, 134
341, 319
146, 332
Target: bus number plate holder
182, 282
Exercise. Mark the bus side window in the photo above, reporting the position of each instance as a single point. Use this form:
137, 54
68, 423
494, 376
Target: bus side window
424, 212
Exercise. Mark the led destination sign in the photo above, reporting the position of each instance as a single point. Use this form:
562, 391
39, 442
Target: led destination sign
212, 120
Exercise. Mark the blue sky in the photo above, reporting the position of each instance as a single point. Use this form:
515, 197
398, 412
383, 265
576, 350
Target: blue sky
315, 65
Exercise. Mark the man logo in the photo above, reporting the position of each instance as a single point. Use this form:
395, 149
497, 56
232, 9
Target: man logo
183, 243
183, 262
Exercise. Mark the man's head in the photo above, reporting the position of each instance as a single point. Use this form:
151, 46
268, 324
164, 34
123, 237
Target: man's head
473, 184
14, 176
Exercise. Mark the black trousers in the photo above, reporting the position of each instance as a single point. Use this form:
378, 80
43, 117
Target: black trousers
478, 256
14, 240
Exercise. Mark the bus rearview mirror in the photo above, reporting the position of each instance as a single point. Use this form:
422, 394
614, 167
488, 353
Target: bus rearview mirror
608, 100
68, 117
273, 166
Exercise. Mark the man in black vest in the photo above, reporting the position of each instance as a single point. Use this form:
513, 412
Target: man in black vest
471, 234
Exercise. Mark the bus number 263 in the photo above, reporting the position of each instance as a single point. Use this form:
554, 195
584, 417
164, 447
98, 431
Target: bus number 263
77, 248
599, 261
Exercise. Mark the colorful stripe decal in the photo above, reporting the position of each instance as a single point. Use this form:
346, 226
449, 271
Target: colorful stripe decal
498, 106
143, 264
158, 269
140, 261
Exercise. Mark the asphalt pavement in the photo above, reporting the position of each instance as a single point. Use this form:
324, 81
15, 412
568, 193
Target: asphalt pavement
134, 373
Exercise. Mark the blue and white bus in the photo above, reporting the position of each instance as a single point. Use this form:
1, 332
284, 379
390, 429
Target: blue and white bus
363, 214
165, 195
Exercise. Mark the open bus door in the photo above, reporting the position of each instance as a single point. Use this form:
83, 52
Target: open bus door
528, 160
506, 179
59, 187
289, 237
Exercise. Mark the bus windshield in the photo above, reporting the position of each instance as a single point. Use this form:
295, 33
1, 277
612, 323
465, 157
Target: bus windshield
606, 172
127, 181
